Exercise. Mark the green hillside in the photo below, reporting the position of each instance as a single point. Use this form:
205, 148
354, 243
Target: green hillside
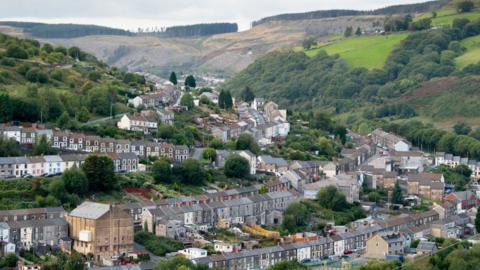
55, 84
322, 80
472, 54
364, 51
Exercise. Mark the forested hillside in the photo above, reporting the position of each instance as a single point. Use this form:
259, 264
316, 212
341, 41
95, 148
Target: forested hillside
55, 84
198, 30
43, 30
328, 82
398, 9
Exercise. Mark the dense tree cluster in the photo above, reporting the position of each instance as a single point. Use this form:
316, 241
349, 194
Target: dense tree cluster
43, 30
458, 176
45, 93
205, 29
396, 9
225, 100
296, 80
432, 139
188, 172
330, 204
159, 246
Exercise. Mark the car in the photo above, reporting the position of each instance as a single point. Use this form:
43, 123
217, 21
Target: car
306, 261
27, 176
347, 251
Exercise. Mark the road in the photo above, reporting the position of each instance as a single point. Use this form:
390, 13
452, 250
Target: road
99, 120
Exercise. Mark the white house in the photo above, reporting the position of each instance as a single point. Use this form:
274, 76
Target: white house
12, 133
402, 146
5, 238
53, 164
137, 123
304, 253
258, 104
225, 247
193, 253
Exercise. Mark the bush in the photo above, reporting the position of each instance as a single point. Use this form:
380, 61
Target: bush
36, 75
15, 51
237, 166
159, 246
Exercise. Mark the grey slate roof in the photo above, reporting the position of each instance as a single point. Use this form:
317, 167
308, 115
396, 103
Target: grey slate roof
90, 210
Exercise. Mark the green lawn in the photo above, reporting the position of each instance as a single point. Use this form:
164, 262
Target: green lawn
472, 55
449, 16
365, 51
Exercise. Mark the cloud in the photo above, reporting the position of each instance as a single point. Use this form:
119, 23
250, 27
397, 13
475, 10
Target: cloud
131, 14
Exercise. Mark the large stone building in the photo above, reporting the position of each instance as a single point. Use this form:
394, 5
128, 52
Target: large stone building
103, 230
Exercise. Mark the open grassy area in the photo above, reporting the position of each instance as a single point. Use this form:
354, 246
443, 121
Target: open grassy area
449, 16
365, 51
472, 55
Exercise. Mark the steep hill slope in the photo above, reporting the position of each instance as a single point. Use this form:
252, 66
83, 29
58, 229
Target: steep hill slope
365, 51
225, 53
336, 83
55, 84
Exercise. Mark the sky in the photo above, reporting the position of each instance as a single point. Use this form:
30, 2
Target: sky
131, 14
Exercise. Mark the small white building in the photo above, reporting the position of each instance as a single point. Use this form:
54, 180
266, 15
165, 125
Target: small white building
53, 164
193, 253
13, 133
402, 146
137, 123
225, 247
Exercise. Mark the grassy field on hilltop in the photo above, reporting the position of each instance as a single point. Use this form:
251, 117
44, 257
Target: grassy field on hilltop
472, 55
364, 51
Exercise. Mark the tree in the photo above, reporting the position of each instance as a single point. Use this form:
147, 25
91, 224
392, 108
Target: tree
187, 101
16, 51
247, 142
397, 194
173, 78
190, 81
477, 220
331, 198
225, 100
175, 263
465, 6
348, 32
162, 171
358, 32
308, 43
460, 23
236, 166
9, 147
6, 108
83, 115
76, 53
191, 172
210, 154
165, 131
42, 147
462, 128
75, 262
100, 172
247, 94
374, 196
75, 181
296, 216
63, 120
8, 261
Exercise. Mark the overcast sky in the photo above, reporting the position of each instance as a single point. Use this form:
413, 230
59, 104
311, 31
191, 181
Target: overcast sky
131, 14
